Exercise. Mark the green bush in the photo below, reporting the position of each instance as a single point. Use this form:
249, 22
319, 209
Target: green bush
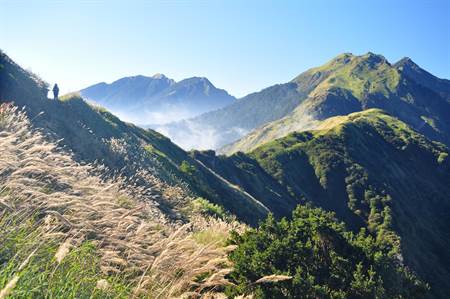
322, 259
207, 208
187, 168
442, 157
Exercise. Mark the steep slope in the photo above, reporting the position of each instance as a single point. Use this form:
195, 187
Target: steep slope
374, 171
245, 172
68, 232
409, 69
156, 100
353, 83
96, 136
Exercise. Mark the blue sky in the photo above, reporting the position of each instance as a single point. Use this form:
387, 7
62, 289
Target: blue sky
241, 46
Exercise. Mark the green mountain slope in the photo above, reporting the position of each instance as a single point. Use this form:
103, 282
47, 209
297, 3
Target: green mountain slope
96, 136
373, 171
352, 83
67, 231
233, 121
409, 69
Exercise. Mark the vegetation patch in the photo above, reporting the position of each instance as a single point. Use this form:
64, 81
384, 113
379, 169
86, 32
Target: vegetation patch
209, 236
313, 256
41, 269
152, 150
187, 168
207, 208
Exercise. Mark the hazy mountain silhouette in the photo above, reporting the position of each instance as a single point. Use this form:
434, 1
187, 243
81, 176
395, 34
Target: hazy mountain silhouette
157, 99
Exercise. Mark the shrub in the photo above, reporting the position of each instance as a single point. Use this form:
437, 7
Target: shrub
442, 157
321, 259
209, 209
187, 168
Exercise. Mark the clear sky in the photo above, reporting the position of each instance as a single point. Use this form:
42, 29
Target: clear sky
241, 46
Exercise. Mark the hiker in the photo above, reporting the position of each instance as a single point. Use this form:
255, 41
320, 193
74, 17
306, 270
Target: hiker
55, 91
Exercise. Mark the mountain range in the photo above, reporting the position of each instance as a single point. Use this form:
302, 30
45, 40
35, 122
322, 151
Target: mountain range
94, 135
354, 83
157, 100
371, 169
359, 137
348, 83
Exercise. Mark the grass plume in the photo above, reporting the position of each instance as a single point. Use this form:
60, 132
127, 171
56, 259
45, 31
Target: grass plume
104, 234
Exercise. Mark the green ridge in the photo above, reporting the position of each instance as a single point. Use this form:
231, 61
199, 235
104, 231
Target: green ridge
374, 172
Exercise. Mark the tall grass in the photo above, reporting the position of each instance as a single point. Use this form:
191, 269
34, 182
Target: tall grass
67, 232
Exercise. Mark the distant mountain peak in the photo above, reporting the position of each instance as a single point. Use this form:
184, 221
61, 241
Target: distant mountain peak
405, 60
159, 76
143, 78
137, 77
343, 58
373, 59
157, 99
346, 57
199, 79
373, 55
408, 68
408, 63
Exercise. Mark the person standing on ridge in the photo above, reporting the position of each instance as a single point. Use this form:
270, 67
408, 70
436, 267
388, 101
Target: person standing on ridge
55, 91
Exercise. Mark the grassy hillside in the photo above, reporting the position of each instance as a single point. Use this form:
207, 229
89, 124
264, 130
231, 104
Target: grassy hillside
373, 171
93, 206
352, 83
67, 232
245, 172
96, 136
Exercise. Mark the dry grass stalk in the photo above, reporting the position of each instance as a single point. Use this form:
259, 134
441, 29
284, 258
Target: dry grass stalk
9, 287
63, 250
103, 284
273, 278
133, 236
